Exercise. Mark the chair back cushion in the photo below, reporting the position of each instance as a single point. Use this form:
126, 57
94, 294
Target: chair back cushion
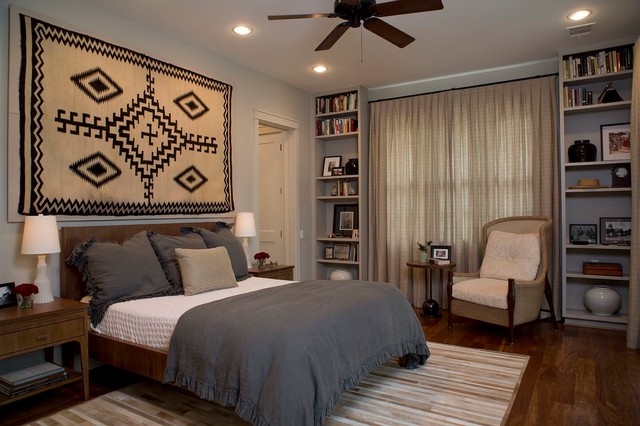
509, 255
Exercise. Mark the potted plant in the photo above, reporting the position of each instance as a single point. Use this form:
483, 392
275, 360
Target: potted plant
423, 250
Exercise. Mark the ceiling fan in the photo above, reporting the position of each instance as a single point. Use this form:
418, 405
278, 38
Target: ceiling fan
367, 12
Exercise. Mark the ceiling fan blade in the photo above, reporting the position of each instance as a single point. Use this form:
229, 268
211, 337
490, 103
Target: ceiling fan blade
333, 36
402, 7
388, 32
307, 15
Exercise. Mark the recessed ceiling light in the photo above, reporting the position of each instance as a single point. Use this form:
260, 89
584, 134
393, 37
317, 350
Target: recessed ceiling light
579, 14
242, 30
320, 68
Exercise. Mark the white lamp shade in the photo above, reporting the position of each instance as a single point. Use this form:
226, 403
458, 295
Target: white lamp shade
40, 235
245, 225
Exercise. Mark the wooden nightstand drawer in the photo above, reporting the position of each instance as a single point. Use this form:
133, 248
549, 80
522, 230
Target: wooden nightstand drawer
38, 336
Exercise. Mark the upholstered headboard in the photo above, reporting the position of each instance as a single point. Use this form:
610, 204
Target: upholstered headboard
71, 284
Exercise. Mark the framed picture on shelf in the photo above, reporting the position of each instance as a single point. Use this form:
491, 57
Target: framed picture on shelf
441, 252
615, 230
355, 233
341, 251
330, 163
583, 234
7, 298
328, 252
337, 171
616, 142
345, 219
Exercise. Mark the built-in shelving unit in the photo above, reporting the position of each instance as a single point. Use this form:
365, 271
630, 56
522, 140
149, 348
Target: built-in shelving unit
340, 129
583, 77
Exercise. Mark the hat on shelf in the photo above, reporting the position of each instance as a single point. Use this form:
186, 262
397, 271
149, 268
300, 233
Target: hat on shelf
588, 184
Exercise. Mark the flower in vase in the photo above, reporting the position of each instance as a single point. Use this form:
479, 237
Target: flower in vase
25, 293
261, 257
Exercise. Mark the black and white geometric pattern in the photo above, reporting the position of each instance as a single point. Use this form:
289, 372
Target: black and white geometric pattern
155, 139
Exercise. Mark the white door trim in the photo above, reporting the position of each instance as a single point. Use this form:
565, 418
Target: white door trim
291, 199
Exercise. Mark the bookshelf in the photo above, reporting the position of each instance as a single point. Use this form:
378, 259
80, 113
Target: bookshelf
340, 130
583, 77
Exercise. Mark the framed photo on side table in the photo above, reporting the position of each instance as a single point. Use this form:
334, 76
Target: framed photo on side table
7, 298
616, 141
441, 252
583, 234
615, 230
330, 163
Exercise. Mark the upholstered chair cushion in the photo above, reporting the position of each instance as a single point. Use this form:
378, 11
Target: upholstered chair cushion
483, 291
509, 255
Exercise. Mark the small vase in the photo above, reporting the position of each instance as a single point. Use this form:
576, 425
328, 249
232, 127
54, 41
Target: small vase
351, 167
25, 302
582, 151
423, 257
261, 264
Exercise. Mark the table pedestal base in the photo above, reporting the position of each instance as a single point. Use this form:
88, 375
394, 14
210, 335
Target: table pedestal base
431, 309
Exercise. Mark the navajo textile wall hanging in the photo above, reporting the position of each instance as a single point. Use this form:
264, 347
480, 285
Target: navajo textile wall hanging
108, 131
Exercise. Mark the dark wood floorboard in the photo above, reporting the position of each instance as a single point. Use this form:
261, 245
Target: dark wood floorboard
577, 376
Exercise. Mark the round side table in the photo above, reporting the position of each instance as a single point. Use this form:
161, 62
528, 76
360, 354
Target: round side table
430, 307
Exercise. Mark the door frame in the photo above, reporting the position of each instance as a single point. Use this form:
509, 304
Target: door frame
291, 220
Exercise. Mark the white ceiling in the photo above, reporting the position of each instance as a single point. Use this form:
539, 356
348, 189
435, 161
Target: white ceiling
466, 35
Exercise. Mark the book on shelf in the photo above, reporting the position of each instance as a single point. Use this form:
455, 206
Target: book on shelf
598, 62
440, 261
29, 374
13, 390
337, 103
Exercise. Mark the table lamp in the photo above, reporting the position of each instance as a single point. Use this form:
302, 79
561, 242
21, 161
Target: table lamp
245, 227
40, 237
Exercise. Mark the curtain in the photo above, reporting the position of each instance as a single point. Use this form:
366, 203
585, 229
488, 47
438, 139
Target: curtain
633, 327
444, 164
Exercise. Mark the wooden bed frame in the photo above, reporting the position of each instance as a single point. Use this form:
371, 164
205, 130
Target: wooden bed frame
139, 359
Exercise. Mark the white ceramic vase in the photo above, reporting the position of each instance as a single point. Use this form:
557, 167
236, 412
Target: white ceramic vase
341, 274
602, 300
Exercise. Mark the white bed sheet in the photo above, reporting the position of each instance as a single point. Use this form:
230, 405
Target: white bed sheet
150, 322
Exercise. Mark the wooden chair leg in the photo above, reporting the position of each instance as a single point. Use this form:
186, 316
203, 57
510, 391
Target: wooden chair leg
511, 304
548, 294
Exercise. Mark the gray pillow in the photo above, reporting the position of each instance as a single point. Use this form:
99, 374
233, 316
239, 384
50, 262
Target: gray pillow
223, 237
116, 273
165, 247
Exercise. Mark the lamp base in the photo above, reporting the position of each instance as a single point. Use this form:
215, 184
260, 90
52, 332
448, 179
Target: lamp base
44, 295
245, 246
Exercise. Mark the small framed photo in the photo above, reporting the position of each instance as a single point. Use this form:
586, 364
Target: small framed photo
616, 141
441, 252
337, 171
583, 234
345, 219
341, 251
328, 252
7, 298
615, 230
355, 233
330, 163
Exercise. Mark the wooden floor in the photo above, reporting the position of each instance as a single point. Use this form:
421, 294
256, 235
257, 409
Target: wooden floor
577, 376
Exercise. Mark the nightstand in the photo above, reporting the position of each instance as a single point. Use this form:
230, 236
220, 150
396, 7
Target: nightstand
41, 328
278, 272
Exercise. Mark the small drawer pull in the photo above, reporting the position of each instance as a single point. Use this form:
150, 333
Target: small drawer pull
42, 337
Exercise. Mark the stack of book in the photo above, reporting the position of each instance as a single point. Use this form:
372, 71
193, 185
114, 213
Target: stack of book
27, 379
440, 261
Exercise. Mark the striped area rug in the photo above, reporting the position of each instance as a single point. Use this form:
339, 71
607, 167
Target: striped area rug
457, 385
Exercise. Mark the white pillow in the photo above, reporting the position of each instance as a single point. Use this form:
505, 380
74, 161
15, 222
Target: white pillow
205, 270
511, 255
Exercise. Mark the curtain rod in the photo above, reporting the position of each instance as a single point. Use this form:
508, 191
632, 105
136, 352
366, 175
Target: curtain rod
466, 87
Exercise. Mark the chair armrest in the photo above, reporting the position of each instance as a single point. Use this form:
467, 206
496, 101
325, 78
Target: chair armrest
456, 277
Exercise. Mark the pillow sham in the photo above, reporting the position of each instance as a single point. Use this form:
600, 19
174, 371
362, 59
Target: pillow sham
510, 255
165, 246
223, 237
116, 273
205, 270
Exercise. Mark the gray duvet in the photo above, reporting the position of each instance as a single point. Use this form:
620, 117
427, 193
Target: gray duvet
283, 355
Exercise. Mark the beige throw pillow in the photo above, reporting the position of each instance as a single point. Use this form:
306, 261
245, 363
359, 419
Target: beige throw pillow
510, 255
205, 270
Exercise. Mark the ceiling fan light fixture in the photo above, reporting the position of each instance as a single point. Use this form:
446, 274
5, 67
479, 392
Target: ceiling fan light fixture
579, 15
242, 30
320, 69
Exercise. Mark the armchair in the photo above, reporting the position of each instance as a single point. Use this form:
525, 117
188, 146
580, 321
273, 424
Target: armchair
508, 289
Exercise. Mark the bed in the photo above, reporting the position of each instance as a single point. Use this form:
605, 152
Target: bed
370, 312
